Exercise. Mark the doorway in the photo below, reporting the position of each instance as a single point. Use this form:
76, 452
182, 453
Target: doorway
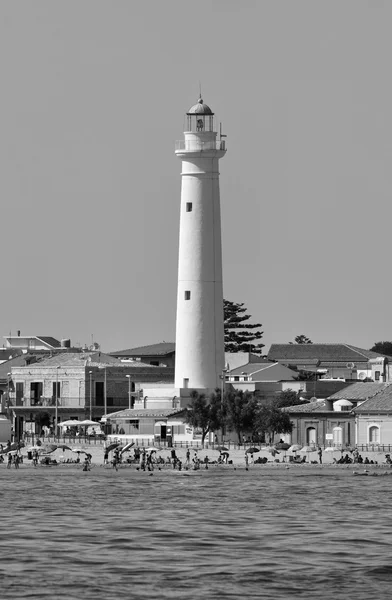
311, 436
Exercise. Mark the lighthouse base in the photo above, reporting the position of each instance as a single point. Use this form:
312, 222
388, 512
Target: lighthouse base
167, 396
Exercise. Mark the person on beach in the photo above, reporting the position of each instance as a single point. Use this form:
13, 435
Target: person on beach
252, 460
35, 458
143, 460
105, 456
188, 456
150, 464
320, 455
246, 460
9, 463
206, 462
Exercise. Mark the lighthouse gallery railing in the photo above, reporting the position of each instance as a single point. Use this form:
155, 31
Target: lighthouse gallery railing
198, 146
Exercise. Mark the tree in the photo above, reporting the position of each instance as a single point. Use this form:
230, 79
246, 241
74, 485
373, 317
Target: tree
239, 409
239, 334
301, 339
271, 420
382, 348
204, 413
288, 398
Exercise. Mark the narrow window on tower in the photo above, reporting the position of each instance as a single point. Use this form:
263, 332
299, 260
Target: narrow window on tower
187, 295
189, 207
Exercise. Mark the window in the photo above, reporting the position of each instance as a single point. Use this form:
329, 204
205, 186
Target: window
19, 390
99, 393
56, 384
187, 295
155, 363
337, 436
185, 383
377, 375
374, 434
189, 207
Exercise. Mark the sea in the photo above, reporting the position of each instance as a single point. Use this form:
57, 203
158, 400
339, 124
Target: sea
271, 533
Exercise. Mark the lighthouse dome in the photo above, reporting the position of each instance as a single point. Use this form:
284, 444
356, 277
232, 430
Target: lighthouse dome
200, 108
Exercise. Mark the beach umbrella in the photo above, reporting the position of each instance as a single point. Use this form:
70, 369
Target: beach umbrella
221, 448
252, 450
282, 446
295, 448
152, 449
308, 449
48, 448
63, 447
78, 451
330, 449
112, 446
88, 423
127, 447
69, 423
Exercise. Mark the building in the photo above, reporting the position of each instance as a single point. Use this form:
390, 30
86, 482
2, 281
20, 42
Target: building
146, 426
161, 354
333, 361
35, 343
321, 423
337, 420
371, 405
76, 385
199, 324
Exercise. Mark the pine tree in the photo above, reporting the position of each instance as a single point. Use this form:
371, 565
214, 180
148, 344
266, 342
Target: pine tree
239, 334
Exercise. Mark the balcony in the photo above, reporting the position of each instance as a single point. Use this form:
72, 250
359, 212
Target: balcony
112, 403
47, 402
199, 146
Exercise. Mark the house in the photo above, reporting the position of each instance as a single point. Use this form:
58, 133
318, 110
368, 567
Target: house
76, 385
161, 354
267, 379
373, 419
27, 343
149, 425
320, 423
332, 421
6, 383
8, 353
333, 361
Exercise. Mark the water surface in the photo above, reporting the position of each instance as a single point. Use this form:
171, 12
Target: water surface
223, 533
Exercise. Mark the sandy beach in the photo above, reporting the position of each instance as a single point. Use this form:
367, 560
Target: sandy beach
237, 456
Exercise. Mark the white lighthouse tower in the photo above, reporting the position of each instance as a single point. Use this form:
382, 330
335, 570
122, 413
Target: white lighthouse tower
199, 327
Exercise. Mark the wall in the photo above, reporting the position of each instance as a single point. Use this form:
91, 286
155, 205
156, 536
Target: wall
383, 421
324, 424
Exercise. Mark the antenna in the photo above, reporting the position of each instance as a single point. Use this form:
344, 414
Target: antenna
200, 89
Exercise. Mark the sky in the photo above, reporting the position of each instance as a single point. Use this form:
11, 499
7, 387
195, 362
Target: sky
93, 98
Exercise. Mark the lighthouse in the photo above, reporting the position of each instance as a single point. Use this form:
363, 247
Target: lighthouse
199, 324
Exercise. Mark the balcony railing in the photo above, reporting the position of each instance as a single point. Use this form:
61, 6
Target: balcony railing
199, 146
73, 402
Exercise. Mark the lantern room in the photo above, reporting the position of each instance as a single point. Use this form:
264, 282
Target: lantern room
200, 118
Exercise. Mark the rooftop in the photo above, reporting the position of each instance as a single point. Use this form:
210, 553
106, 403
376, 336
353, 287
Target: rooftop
85, 359
323, 352
381, 401
160, 349
200, 108
136, 413
358, 391
310, 407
